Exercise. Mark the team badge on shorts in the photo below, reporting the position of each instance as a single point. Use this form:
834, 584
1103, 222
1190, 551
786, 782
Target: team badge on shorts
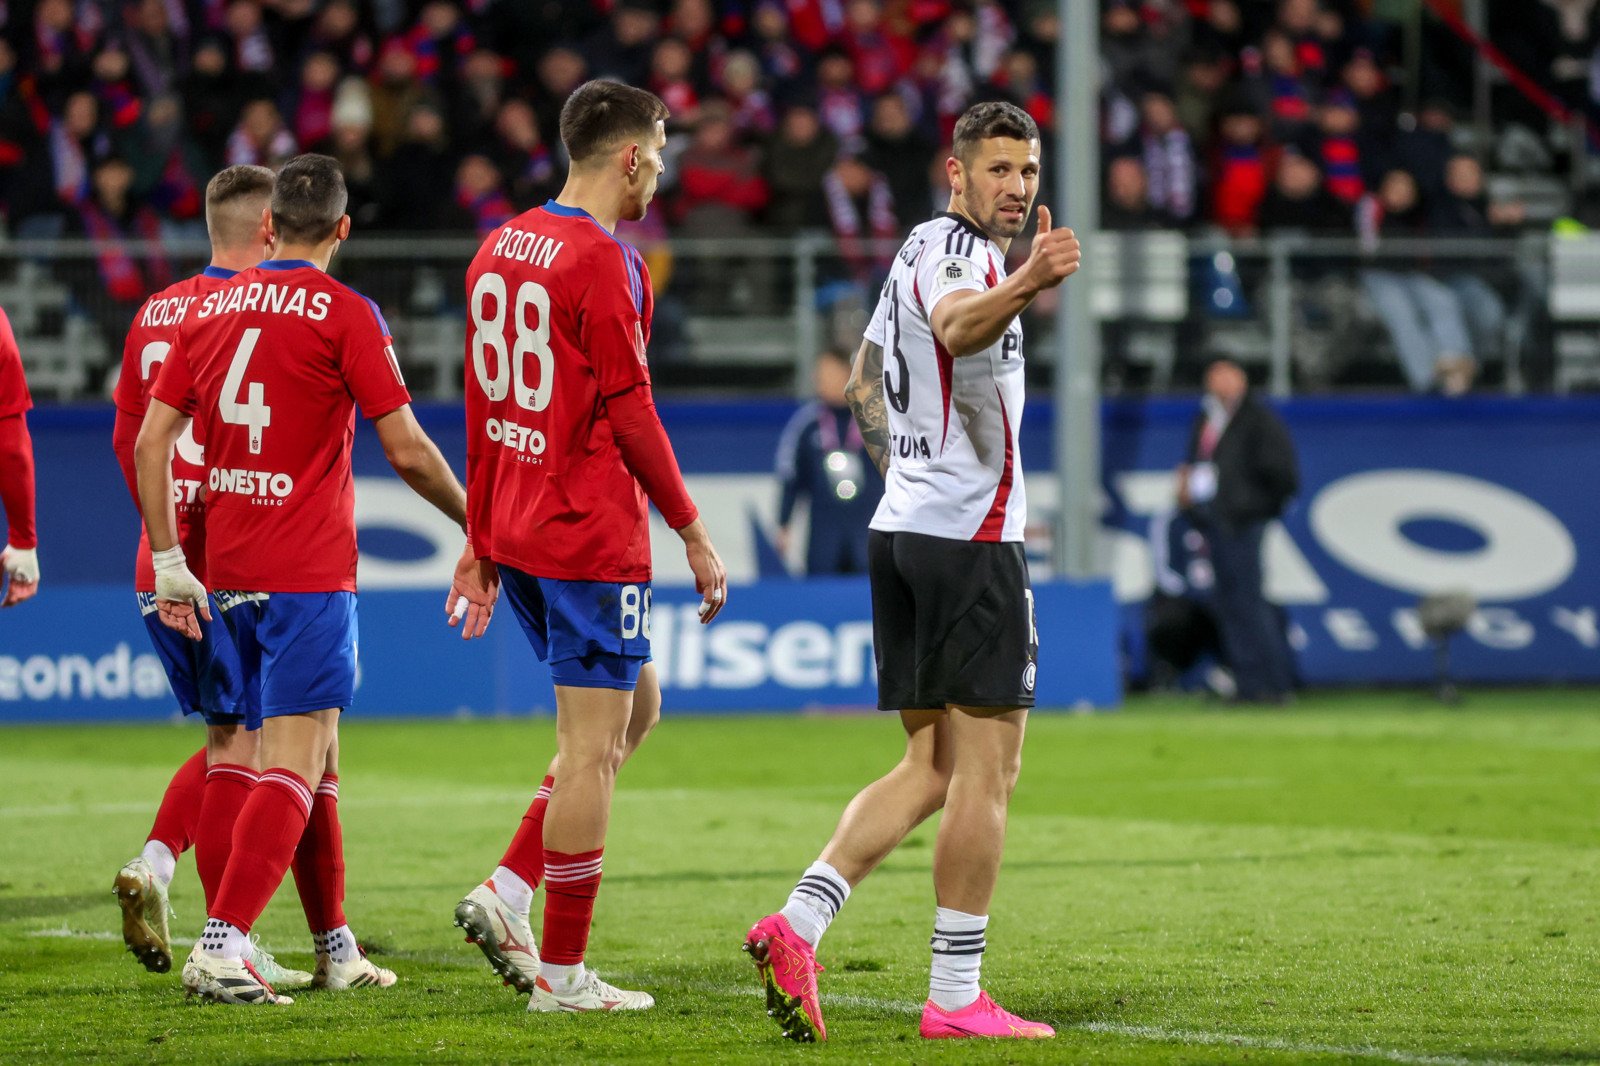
1029, 674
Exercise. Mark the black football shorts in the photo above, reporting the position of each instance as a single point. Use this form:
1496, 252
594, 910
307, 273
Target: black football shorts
952, 623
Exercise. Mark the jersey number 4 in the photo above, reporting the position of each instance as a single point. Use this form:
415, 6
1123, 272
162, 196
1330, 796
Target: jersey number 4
489, 335
254, 412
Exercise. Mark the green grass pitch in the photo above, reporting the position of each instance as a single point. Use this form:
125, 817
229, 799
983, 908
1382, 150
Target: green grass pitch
1362, 878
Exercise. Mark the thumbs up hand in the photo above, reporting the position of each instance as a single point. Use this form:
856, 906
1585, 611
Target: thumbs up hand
1055, 255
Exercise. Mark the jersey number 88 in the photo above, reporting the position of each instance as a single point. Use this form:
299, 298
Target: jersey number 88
490, 334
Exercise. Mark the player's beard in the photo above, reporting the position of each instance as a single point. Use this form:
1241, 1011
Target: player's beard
990, 220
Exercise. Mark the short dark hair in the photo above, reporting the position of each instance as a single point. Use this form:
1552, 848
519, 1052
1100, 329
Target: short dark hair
992, 118
230, 186
601, 113
309, 199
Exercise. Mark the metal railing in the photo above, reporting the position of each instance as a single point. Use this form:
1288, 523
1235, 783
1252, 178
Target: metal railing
750, 314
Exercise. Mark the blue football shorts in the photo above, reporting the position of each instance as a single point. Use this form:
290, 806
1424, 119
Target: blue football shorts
204, 673
594, 634
297, 650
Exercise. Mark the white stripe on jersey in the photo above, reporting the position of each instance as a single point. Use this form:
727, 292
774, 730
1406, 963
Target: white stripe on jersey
954, 463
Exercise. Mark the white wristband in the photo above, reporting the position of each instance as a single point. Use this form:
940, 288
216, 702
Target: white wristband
169, 561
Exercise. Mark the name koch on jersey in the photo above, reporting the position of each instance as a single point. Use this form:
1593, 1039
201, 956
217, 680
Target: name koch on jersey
954, 467
145, 349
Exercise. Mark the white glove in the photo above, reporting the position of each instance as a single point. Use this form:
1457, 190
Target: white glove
22, 564
174, 582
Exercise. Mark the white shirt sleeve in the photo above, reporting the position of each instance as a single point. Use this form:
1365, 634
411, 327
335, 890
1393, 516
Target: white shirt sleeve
875, 329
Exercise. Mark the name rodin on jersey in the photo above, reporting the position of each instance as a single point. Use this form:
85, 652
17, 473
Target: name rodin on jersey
499, 370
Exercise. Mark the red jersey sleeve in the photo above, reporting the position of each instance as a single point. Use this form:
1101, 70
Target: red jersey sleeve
174, 384
368, 365
14, 398
612, 325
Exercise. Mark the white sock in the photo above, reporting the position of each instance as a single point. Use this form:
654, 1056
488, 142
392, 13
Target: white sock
560, 978
162, 862
815, 901
513, 891
957, 957
340, 943
224, 941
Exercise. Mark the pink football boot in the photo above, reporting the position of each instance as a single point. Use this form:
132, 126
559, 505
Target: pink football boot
982, 1017
788, 968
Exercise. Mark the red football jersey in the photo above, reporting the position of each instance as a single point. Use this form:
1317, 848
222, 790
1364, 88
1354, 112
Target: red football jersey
272, 366
14, 397
558, 316
149, 341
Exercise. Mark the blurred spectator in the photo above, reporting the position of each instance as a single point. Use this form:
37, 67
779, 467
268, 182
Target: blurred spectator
532, 171
261, 137
1339, 150
621, 50
169, 167
415, 184
1201, 89
313, 105
670, 68
1239, 475
897, 151
880, 56
1299, 202
252, 48
480, 203
476, 102
1180, 625
1377, 123
1239, 174
159, 49
351, 145
337, 30
720, 188
1127, 201
695, 23
210, 101
753, 115
796, 161
782, 63
121, 280
60, 50
861, 208
1424, 150
1278, 85
1019, 78
822, 459
1425, 317
120, 102
396, 92
1218, 26
1168, 158
441, 40
1134, 57
77, 143
840, 103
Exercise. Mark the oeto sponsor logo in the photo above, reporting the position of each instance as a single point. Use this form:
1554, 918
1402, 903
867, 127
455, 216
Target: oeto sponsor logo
517, 438
739, 654
262, 484
116, 675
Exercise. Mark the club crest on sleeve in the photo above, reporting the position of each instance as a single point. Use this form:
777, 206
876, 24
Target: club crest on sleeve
951, 272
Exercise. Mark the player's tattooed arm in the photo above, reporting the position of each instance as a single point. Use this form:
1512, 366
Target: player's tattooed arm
865, 393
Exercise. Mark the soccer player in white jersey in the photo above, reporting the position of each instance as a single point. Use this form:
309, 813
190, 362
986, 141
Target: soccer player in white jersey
937, 388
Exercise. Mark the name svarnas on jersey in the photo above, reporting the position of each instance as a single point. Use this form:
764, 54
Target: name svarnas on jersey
954, 467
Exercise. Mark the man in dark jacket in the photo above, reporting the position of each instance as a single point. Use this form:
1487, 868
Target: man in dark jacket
1240, 474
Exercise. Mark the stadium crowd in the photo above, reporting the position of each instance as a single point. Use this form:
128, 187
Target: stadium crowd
1247, 116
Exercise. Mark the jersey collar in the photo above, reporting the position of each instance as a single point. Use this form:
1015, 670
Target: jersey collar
965, 223
570, 212
286, 264
220, 273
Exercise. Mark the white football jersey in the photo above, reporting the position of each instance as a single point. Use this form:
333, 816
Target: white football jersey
955, 463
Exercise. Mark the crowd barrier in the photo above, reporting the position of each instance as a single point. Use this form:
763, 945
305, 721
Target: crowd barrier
1400, 498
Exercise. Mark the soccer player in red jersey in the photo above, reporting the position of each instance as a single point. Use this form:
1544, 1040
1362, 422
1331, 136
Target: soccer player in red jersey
564, 446
205, 795
272, 368
19, 560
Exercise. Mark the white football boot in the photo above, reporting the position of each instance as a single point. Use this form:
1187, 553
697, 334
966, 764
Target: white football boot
358, 973
591, 994
274, 972
504, 936
220, 980
143, 899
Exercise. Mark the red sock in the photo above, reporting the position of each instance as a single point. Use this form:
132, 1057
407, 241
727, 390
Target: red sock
264, 839
179, 813
525, 856
227, 788
319, 860
570, 884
